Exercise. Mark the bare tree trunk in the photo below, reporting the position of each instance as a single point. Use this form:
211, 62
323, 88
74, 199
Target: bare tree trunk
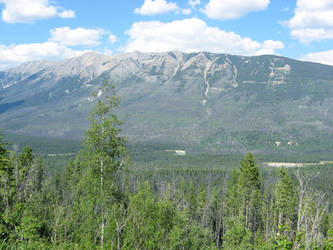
247, 208
303, 182
314, 218
267, 225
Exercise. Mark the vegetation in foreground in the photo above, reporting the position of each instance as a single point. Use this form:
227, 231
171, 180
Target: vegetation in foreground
98, 202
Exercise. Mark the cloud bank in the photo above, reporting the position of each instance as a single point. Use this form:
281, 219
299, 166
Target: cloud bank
28, 11
154, 7
57, 47
192, 35
77, 37
232, 9
325, 57
312, 21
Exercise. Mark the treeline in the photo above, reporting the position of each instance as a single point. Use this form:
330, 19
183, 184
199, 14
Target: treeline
85, 209
94, 203
43, 145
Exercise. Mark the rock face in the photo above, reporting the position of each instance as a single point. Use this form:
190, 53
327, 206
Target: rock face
199, 100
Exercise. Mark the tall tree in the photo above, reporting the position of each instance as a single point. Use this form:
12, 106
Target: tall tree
104, 154
251, 188
26, 160
6, 175
285, 200
7, 188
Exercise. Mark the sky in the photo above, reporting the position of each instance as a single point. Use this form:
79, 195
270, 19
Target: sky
59, 29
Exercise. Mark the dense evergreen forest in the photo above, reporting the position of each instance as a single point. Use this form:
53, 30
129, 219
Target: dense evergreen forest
102, 200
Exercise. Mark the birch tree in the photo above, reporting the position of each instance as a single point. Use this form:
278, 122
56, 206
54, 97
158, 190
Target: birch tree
104, 155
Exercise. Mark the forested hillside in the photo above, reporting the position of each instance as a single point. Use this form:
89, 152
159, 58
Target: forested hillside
210, 102
101, 200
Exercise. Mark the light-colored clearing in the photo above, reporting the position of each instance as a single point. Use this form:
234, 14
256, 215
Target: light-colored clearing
177, 151
295, 164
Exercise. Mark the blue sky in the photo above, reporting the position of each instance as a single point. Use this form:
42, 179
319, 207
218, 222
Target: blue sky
54, 30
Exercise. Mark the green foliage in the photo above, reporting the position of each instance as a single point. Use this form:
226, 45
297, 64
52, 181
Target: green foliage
190, 202
255, 102
150, 222
237, 236
250, 177
285, 202
7, 188
101, 160
283, 240
104, 151
251, 188
29, 229
157, 224
4, 155
328, 243
234, 198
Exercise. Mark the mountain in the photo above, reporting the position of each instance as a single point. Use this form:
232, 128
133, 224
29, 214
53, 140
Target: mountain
200, 100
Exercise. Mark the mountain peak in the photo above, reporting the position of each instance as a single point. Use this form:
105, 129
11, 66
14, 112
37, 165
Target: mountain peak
200, 97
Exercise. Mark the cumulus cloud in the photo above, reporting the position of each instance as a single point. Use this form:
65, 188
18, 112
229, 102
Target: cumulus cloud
193, 35
154, 7
112, 38
14, 54
269, 47
232, 9
194, 3
187, 11
75, 37
57, 47
312, 21
67, 14
325, 57
309, 35
27, 11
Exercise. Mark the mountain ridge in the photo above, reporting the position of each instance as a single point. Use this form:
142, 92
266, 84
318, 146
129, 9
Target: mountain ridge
201, 99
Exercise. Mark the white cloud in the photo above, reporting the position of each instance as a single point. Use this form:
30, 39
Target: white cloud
27, 11
75, 37
192, 35
67, 14
309, 35
56, 48
232, 9
15, 54
269, 47
107, 52
325, 57
194, 3
112, 38
187, 11
312, 21
153, 7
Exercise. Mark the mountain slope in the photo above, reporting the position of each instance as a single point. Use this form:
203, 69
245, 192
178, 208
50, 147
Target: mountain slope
196, 100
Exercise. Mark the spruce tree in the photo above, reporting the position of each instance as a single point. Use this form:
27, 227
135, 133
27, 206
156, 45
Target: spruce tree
251, 189
7, 188
285, 201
